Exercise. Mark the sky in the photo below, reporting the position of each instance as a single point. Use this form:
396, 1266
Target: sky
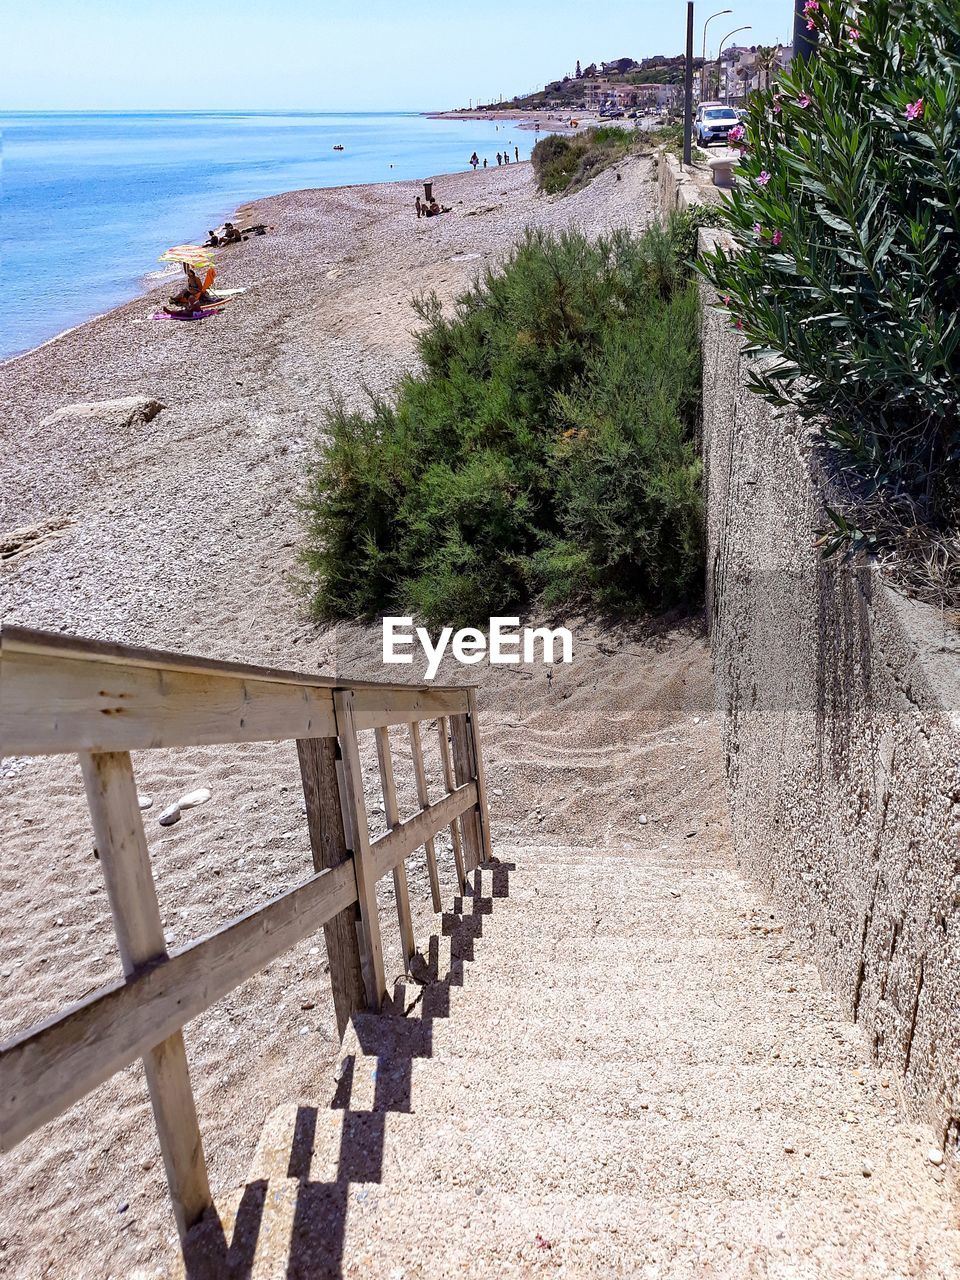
325, 56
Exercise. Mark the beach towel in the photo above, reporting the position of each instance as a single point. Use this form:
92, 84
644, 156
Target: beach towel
203, 314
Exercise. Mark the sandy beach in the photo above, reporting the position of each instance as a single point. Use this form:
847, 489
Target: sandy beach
182, 533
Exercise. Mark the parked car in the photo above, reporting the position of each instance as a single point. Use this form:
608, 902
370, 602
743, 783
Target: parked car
713, 123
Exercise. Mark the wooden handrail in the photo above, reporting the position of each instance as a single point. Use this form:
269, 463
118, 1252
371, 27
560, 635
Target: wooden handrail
61, 694
50, 1066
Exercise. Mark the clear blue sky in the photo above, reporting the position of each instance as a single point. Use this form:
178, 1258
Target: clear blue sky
317, 54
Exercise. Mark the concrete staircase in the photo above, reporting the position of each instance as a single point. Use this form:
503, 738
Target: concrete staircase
606, 1063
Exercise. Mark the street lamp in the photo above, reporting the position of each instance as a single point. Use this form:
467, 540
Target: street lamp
704, 88
736, 31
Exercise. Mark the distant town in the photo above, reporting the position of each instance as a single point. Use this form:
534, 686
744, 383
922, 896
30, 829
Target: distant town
654, 84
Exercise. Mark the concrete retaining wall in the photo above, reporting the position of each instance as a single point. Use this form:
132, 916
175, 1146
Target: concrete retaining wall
840, 709
678, 187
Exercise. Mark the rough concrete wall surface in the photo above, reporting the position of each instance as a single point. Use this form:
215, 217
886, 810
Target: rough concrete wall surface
677, 189
841, 724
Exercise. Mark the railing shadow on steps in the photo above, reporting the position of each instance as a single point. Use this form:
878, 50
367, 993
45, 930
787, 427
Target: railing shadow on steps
65, 695
307, 1233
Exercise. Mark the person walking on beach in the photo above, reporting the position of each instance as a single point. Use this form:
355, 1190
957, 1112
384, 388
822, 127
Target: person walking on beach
499, 159
516, 152
506, 157
474, 160
484, 161
419, 208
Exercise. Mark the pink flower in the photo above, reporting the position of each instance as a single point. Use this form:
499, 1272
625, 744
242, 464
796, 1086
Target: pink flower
804, 101
777, 239
757, 229
763, 179
726, 299
737, 134
853, 33
738, 324
810, 8
915, 110
777, 104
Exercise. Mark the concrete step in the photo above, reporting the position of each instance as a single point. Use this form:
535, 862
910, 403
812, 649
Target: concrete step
583, 965
708, 1039
295, 1231
496, 953
557, 1090
651, 1157
545, 932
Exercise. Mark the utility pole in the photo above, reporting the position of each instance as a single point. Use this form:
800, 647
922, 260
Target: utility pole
804, 41
688, 91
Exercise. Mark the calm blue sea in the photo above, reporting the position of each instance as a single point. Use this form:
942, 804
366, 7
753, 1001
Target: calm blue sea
90, 201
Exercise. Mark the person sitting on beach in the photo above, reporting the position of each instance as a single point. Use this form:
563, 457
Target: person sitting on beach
192, 291
433, 209
231, 234
194, 296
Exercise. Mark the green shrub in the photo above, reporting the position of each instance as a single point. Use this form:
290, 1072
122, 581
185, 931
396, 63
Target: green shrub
548, 448
846, 269
686, 225
568, 163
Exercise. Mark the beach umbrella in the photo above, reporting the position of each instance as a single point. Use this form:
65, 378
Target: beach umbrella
192, 254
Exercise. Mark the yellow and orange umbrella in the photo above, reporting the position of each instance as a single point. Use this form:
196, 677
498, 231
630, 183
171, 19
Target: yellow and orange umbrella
193, 255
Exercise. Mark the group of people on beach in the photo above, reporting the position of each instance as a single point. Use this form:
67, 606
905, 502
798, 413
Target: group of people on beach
503, 157
230, 234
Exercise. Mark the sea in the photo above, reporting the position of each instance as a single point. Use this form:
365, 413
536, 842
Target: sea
90, 200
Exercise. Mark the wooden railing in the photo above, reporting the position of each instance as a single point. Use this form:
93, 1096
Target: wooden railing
59, 695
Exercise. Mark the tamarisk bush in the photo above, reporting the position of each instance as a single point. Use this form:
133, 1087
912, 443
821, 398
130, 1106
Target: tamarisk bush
547, 449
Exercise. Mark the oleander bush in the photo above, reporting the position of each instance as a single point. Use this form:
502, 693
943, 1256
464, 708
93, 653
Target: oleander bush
845, 271
568, 163
546, 450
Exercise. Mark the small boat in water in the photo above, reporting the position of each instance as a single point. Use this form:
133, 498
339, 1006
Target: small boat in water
338, 147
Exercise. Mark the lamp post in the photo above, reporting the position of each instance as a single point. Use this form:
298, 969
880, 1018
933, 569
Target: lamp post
736, 31
705, 88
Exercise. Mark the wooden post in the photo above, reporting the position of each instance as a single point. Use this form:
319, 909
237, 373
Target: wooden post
125, 862
423, 798
483, 813
325, 822
393, 820
463, 772
443, 730
374, 975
